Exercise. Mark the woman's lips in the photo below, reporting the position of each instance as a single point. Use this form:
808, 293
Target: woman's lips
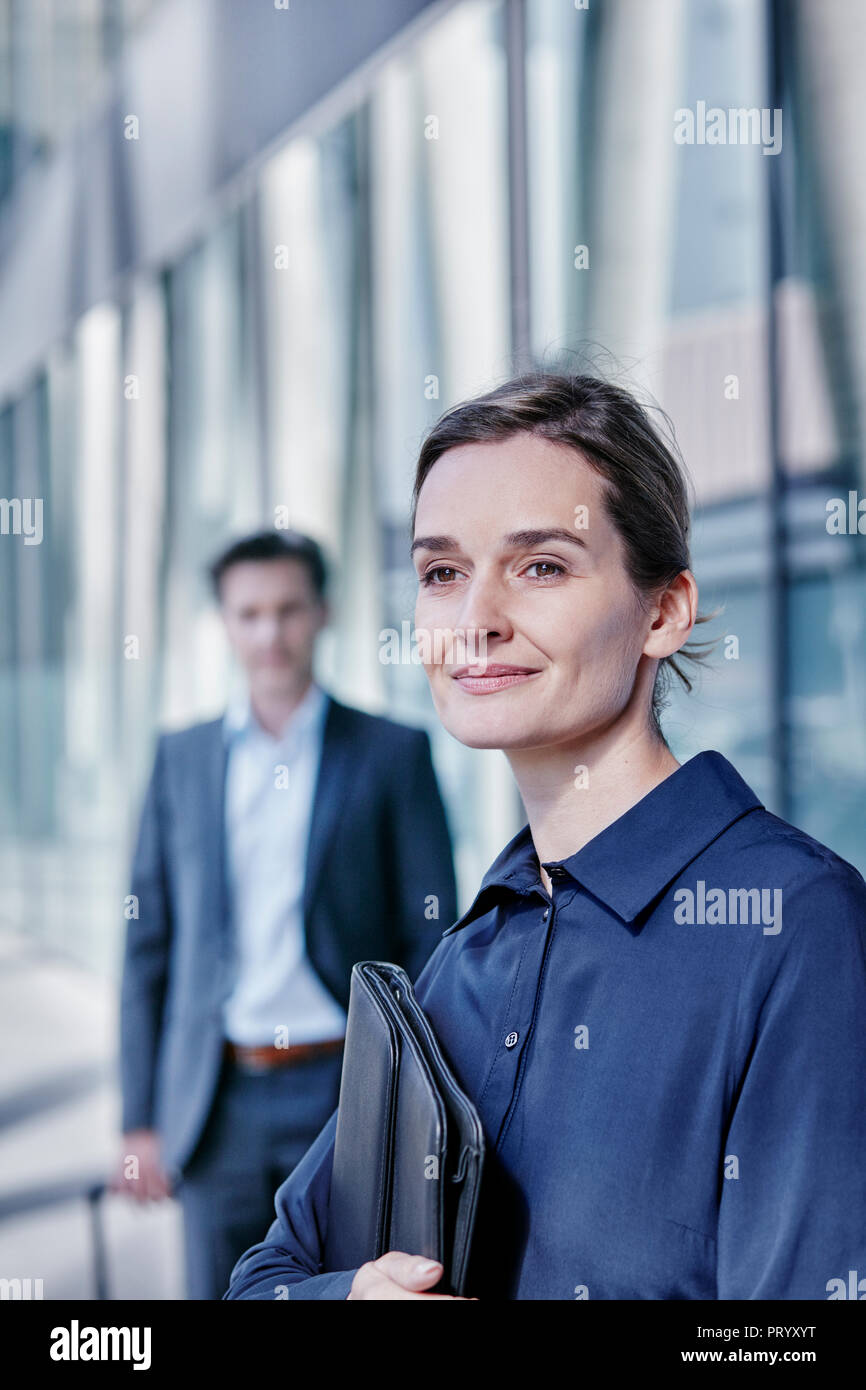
477, 680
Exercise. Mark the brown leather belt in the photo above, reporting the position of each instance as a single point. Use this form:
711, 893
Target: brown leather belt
267, 1057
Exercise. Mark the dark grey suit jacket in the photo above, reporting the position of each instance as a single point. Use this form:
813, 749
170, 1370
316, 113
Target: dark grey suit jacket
379, 847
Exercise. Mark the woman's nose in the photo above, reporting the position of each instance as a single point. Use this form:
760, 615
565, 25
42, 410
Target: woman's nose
483, 610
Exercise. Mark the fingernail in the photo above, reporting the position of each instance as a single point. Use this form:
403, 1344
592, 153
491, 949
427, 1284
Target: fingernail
428, 1267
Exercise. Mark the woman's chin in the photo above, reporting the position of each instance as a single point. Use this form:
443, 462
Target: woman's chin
479, 730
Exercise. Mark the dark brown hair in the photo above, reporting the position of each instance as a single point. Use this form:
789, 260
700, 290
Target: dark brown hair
272, 545
646, 488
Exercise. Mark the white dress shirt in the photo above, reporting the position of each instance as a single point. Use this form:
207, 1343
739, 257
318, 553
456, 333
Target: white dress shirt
277, 996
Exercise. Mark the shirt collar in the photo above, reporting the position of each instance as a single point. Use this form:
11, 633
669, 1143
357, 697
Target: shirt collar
239, 718
633, 859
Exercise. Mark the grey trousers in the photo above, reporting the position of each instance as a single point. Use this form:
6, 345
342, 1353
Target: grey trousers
260, 1126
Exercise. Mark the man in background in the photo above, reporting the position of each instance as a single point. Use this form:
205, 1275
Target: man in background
278, 845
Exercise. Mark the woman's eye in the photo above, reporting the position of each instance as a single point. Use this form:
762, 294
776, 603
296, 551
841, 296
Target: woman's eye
547, 565
438, 569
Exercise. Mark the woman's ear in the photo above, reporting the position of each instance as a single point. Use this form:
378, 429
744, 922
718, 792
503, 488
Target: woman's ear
673, 616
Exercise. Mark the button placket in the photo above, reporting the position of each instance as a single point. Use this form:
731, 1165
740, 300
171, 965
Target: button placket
528, 1032
497, 1092
523, 1036
512, 1037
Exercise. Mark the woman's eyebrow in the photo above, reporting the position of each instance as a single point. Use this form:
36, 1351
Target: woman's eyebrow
434, 543
539, 536
512, 540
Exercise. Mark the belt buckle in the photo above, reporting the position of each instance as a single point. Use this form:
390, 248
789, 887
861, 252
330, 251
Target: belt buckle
247, 1064
254, 1068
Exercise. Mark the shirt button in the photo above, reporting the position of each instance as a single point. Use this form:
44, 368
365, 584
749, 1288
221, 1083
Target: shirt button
545, 914
511, 1040
556, 871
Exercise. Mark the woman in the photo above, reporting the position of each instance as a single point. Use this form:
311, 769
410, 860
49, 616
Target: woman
657, 999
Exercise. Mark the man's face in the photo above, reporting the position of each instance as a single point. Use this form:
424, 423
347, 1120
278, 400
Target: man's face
560, 607
272, 616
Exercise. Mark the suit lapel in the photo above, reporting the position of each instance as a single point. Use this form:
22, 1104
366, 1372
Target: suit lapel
212, 812
334, 771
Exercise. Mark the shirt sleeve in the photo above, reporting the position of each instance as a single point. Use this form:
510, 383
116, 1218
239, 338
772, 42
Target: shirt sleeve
792, 1214
145, 961
287, 1264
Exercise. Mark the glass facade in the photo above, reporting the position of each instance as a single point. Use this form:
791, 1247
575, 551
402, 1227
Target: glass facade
282, 366
56, 58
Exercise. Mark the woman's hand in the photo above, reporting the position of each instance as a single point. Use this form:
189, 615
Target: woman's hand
398, 1275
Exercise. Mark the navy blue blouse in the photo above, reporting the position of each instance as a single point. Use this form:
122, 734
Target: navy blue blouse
668, 1057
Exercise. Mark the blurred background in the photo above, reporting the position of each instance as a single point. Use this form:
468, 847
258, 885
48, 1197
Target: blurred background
248, 253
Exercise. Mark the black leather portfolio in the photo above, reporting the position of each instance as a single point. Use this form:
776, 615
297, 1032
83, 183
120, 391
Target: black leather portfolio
409, 1147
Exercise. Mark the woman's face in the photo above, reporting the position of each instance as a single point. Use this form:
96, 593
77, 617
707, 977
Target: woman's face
503, 546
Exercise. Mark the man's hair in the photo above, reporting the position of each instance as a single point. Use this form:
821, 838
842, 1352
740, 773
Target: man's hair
273, 545
645, 482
